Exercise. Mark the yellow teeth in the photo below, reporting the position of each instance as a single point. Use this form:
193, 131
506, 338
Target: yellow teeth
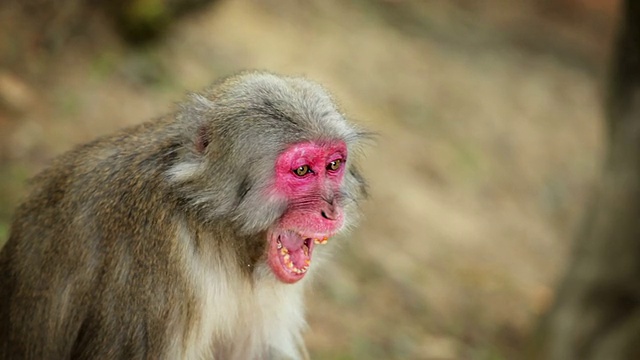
286, 258
319, 241
289, 264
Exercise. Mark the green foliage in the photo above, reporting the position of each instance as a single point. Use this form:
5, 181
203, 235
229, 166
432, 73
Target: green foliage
143, 18
104, 65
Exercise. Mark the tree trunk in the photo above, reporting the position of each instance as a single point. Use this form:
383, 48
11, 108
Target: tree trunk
597, 312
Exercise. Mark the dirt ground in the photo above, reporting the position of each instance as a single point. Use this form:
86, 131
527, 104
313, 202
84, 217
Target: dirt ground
489, 141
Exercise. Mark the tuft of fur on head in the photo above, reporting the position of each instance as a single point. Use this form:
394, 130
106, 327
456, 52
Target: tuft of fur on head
234, 131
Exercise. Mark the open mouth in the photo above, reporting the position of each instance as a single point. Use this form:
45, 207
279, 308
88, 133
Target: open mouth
290, 254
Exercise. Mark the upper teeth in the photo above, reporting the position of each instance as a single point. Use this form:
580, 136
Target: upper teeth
323, 241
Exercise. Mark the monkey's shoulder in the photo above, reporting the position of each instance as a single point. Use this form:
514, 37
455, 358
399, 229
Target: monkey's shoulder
113, 151
103, 169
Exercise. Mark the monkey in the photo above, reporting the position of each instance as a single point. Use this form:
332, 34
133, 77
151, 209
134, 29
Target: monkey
191, 236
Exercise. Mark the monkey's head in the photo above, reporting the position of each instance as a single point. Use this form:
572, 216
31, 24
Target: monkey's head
273, 155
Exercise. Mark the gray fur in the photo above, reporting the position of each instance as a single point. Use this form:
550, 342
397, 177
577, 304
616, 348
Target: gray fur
269, 112
106, 257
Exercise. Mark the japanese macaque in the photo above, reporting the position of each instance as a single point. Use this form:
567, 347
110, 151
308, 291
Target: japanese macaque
188, 237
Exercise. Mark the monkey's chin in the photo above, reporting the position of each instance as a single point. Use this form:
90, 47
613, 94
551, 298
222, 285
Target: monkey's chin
289, 254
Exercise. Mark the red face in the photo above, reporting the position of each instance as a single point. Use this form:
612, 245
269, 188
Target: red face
309, 176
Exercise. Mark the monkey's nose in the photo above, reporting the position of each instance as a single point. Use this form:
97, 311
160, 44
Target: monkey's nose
329, 213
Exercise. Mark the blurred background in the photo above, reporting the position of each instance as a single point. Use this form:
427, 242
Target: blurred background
490, 138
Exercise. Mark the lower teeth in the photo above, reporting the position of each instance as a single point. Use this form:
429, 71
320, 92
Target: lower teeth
289, 265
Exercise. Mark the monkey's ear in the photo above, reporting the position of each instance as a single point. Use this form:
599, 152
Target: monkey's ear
203, 139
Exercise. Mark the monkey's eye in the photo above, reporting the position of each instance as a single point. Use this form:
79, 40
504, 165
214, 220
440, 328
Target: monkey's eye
302, 170
334, 165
